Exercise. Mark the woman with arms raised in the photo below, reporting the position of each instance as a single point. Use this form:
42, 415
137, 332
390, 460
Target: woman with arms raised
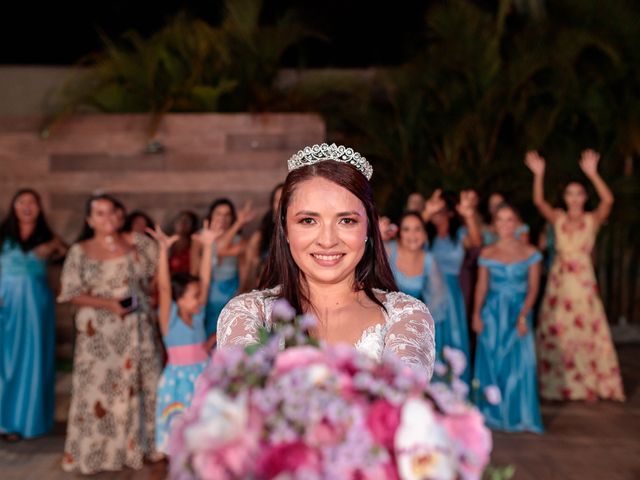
328, 259
576, 357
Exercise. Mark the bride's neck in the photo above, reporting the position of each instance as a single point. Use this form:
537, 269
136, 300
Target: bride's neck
325, 296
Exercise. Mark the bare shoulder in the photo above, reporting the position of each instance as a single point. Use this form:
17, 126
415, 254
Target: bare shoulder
530, 250
488, 251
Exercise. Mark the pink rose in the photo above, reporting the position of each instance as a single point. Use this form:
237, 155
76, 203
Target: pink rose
293, 358
383, 420
323, 433
472, 439
287, 458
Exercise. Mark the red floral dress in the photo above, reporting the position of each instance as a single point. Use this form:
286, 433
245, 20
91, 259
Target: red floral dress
576, 357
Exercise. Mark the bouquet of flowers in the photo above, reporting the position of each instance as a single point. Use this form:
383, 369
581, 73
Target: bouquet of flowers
310, 412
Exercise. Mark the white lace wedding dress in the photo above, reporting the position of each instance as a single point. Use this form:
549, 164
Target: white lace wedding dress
407, 332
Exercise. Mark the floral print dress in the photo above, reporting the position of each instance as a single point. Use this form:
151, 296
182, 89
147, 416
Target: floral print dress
116, 363
576, 357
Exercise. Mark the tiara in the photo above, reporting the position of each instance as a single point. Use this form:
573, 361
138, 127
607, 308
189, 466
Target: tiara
320, 153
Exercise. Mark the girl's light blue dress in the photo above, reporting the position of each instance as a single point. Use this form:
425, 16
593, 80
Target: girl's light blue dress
27, 343
452, 331
225, 282
503, 358
186, 359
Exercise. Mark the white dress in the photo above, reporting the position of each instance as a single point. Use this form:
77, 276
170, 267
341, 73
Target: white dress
407, 331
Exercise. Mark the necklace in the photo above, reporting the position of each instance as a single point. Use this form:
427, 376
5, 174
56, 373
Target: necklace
110, 243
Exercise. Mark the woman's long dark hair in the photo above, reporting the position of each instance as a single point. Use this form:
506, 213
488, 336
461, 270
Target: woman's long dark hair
10, 227
128, 223
372, 271
223, 201
268, 225
87, 232
450, 200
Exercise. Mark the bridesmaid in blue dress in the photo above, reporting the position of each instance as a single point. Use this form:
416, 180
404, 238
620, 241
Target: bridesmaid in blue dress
448, 239
27, 319
508, 283
414, 269
226, 269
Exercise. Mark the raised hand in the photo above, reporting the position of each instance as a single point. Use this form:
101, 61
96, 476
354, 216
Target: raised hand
589, 162
433, 205
535, 162
388, 230
209, 233
164, 241
466, 206
246, 214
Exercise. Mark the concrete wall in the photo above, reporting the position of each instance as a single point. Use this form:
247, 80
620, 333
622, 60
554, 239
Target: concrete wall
240, 156
205, 156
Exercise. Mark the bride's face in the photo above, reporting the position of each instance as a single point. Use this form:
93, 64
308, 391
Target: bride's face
326, 230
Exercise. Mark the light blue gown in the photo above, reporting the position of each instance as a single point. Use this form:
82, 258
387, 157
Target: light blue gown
453, 330
27, 343
225, 282
503, 358
428, 286
186, 359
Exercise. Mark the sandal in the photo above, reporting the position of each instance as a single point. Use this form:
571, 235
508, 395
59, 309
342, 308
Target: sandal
12, 437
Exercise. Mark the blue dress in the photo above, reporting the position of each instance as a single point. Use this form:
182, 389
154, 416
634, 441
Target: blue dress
503, 358
428, 286
186, 359
452, 331
225, 282
27, 343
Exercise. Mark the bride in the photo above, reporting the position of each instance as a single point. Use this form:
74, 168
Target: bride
327, 259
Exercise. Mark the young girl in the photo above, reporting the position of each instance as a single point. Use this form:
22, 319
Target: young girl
182, 298
577, 359
508, 281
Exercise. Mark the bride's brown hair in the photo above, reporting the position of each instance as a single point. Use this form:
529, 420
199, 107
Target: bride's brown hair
372, 271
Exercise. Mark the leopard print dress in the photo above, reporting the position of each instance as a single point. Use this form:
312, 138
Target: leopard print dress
116, 365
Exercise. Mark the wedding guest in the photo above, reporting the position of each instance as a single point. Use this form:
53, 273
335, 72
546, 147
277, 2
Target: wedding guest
231, 248
508, 282
415, 202
328, 259
182, 253
414, 269
117, 361
138, 222
182, 298
576, 357
260, 242
489, 234
27, 319
448, 240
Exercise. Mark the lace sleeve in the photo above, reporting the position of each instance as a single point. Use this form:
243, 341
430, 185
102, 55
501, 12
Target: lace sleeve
240, 320
410, 335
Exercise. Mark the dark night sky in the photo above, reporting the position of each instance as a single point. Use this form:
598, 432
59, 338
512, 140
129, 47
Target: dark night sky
360, 32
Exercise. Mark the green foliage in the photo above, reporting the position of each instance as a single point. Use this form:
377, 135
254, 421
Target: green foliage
188, 66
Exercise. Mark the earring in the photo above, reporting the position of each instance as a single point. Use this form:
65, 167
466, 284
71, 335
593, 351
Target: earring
366, 239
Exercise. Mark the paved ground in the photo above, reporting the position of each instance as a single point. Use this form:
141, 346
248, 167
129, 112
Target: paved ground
582, 442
